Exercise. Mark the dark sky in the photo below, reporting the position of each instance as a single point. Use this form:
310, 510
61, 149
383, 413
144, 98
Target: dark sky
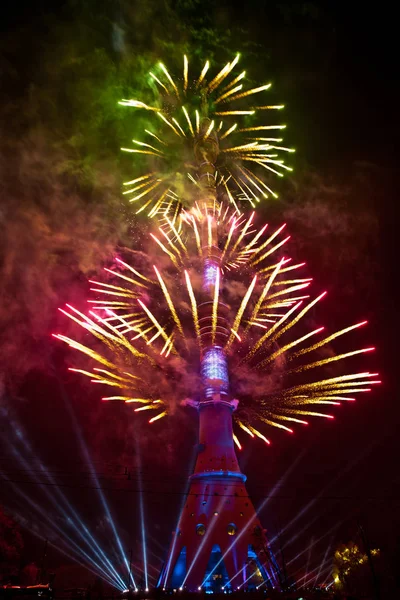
342, 111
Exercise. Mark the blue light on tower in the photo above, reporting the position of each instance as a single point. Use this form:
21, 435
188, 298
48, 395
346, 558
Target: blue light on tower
214, 371
210, 273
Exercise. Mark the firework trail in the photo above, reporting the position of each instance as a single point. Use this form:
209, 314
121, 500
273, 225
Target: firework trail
151, 326
222, 112
211, 287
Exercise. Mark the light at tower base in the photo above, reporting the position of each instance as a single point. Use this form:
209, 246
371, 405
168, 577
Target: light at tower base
219, 542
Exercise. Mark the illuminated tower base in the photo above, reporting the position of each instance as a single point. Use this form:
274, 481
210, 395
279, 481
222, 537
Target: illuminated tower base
219, 542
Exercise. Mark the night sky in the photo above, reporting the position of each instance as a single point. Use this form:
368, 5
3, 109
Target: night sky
336, 70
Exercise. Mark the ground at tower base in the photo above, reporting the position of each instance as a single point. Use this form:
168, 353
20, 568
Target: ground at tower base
94, 592
44, 591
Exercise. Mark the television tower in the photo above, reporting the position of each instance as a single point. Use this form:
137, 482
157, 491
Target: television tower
219, 543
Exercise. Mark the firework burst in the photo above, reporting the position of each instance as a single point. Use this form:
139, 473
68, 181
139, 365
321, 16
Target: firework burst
226, 116
152, 325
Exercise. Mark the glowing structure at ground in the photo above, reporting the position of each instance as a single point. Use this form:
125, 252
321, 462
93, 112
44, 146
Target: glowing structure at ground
219, 541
